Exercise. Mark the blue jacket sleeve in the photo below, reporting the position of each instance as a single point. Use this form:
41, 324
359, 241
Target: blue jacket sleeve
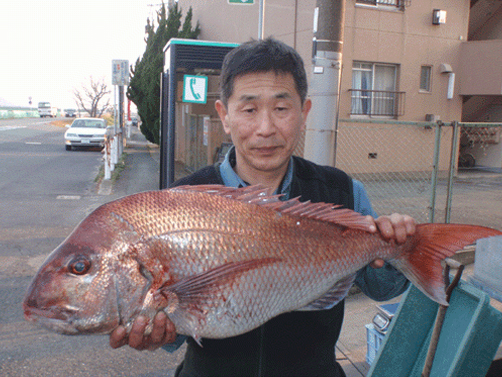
379, 284
178, 342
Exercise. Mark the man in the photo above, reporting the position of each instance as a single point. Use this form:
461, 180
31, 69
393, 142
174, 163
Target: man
264, 107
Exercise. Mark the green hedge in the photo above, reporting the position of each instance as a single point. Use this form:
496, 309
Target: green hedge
18, 112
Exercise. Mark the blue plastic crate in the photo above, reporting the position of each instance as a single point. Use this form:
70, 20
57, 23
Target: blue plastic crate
374, 340
470, 337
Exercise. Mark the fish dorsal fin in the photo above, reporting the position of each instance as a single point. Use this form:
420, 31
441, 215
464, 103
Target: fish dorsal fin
260, 195
336, 294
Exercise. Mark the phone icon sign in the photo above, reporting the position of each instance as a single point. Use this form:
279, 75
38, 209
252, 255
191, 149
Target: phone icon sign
195, 88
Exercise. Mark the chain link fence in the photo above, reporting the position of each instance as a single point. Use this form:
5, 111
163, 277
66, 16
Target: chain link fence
406, 167
411, 167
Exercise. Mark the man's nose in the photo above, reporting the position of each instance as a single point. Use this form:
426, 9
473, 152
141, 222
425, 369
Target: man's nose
266, 126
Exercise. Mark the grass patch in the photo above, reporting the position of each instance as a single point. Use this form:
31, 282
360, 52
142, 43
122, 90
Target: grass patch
61, 122
119, 168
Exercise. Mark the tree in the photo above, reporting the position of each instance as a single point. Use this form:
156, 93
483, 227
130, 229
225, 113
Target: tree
144, 85
90, 97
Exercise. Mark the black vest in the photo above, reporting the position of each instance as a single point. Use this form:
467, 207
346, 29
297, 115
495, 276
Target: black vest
292, 344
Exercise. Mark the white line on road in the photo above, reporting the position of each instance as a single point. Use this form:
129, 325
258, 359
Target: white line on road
7, 128
33, 143
68, 197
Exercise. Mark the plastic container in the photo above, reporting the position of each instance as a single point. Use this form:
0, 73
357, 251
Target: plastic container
373, 341
471, 334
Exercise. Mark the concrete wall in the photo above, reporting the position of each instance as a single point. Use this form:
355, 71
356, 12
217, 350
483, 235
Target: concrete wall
481, 67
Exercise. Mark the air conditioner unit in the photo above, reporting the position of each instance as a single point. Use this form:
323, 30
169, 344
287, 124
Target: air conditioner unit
431, 117
438, 17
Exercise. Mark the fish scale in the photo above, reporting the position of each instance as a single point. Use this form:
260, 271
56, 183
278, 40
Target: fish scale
221, 261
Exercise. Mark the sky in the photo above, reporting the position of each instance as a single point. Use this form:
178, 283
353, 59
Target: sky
48, 48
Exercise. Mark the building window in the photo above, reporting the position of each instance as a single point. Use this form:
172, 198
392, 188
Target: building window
374, 90
425, 78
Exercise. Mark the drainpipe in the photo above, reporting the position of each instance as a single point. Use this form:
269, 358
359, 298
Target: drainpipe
320, 137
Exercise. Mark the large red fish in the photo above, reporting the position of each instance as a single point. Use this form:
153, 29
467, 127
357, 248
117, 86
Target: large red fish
221, 261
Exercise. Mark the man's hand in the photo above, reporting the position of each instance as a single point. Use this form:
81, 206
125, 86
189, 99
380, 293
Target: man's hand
394, 227
163, 332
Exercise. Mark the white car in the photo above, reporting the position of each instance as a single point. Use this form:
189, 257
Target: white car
85, 132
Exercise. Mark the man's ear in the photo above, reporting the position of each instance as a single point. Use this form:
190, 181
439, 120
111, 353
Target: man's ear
223, 113
307, 105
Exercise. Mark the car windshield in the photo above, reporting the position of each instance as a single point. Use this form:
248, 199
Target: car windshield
89, 123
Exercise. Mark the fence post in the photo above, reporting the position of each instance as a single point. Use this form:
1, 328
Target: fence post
435, 165
108, 174
453, 159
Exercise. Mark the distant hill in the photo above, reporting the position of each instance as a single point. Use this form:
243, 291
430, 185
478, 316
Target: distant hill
5, 103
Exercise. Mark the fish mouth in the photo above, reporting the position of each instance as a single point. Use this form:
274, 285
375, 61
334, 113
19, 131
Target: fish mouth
32, 314
56, 319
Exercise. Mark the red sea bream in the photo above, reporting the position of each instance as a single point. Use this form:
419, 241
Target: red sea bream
221, 261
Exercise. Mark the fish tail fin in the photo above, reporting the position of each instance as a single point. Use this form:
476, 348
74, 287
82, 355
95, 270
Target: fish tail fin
435, 242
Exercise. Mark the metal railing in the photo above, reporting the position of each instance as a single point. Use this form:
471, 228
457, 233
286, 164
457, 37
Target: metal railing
397, 3
377, 102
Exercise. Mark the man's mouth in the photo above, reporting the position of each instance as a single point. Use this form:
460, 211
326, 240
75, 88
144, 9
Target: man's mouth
266, 150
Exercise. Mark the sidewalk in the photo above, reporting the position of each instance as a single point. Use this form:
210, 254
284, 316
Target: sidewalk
141, 173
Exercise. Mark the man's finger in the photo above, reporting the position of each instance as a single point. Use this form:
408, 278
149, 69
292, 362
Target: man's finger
377, 263
385, 226
137, 331
159, 327
118, 337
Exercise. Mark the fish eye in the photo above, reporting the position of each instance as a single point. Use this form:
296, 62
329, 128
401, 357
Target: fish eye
79, 266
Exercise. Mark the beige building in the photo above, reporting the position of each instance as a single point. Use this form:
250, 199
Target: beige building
403, 61
480, 75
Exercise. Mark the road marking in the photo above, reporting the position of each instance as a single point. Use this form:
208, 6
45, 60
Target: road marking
33, 143
68, 197
7, 128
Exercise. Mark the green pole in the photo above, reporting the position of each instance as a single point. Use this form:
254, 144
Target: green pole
435, 172
453, 158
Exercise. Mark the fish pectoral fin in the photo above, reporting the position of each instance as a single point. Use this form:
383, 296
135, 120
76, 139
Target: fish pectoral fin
196, 287
336, 294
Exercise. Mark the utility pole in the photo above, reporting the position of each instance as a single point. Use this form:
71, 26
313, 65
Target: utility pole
261, 20
320, 138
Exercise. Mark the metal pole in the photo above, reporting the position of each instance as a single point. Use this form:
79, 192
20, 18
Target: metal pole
325, 83
171, 124
441, 314
453, 159
121, 119
164, 93
261, 19
435, 165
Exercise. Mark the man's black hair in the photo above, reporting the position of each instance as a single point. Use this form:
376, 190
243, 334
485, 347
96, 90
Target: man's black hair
262, 56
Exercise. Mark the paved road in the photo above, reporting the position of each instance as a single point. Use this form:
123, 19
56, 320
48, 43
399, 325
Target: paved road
45, 192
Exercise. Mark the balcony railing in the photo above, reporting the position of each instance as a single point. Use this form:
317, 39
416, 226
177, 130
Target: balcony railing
377, 102
401, 4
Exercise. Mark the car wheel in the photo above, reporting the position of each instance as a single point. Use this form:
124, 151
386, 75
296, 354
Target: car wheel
68, 147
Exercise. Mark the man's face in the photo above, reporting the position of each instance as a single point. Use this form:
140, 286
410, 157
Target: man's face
265, 118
